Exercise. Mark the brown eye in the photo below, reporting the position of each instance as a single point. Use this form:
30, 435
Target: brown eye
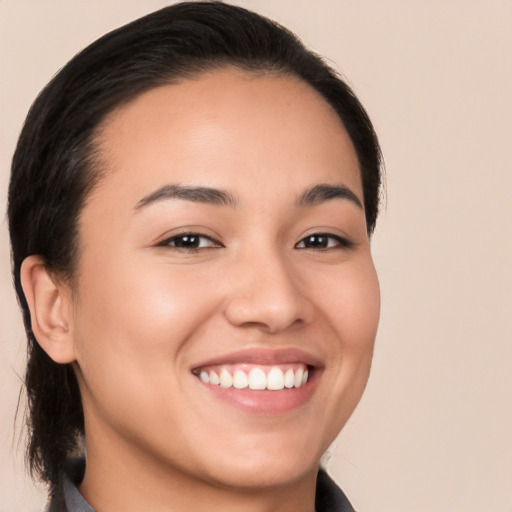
323, 241
189, 241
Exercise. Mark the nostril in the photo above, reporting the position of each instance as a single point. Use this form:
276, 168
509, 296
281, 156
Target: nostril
268, 312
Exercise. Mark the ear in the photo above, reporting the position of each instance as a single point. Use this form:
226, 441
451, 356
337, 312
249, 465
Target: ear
50, 308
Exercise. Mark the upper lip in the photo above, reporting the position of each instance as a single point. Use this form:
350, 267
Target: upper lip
264, 356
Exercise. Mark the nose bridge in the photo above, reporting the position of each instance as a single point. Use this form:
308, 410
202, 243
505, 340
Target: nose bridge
268, 292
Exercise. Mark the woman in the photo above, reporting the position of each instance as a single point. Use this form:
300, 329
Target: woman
192, 258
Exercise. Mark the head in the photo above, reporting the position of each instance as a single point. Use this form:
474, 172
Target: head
67, 146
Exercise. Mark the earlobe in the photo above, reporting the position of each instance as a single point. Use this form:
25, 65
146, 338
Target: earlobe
50, 310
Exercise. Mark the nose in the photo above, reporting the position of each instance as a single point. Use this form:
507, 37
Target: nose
267, 294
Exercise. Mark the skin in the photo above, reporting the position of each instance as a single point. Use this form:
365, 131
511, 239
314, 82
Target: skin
142, 313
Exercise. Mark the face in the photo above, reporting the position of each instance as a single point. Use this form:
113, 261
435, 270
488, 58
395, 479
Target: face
227, 242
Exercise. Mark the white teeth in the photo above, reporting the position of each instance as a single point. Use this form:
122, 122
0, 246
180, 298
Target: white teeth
257, 379
298, 378
289, 378
226, 381
240, 379
275, 379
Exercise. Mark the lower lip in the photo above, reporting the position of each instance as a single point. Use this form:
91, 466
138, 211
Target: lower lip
266, 402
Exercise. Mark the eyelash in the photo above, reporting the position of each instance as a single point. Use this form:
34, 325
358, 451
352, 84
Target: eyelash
340, 242
192, 239
171, 242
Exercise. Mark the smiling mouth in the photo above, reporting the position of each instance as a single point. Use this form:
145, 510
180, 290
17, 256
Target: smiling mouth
256, 377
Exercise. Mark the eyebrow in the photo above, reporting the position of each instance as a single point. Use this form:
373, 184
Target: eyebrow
324, 192
198, 194
189, 193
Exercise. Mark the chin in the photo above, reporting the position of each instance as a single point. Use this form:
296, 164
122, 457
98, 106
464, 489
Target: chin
268, 463
253, 475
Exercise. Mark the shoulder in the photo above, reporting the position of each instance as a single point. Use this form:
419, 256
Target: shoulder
329, 497
67, 497
57, 502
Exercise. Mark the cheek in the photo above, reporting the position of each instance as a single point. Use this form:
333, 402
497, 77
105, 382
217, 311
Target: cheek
128, 321
352, 309
359, 312
361, 306
351, 301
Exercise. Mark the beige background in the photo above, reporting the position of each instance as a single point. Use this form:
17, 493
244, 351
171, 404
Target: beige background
434, 430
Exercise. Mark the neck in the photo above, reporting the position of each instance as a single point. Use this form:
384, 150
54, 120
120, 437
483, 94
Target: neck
131, 482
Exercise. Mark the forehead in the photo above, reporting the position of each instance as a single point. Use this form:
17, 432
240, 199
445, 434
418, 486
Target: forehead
227, 127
